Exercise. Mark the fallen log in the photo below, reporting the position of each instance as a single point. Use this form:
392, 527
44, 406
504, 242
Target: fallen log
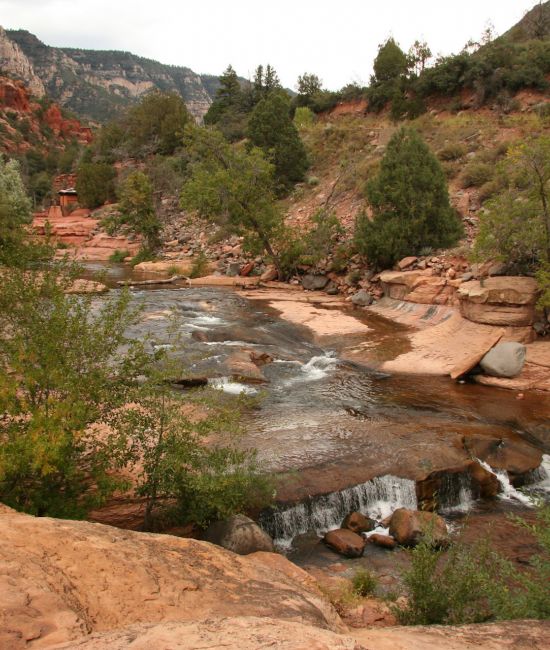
135, 283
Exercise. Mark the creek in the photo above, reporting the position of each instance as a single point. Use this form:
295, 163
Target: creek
342, 437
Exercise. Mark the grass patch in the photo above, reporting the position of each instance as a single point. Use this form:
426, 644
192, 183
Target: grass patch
364, 583
119, 256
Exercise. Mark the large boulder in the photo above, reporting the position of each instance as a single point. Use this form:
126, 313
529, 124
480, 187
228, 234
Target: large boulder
504, 360
60, 581
385, 541
362, 298
241, 367
312, 282
358, 523
345, 542
409, 527
502, 300
239, 534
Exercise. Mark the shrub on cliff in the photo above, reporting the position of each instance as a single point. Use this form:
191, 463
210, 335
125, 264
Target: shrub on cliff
410, 204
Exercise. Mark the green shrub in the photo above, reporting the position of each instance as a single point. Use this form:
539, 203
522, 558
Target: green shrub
200, 266
95, 184
119, 256
462, 587
477, 173
143, 255
410, 204
452, 151
303, 117
364, 583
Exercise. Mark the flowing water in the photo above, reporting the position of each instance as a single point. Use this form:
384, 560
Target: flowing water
345, 437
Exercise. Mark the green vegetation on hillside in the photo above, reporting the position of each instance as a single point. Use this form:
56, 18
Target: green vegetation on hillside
410, 204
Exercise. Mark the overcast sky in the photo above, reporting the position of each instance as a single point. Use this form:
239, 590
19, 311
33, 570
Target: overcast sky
336, 39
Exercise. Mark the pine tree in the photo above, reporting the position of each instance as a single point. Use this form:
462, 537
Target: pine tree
271, 129
410, 204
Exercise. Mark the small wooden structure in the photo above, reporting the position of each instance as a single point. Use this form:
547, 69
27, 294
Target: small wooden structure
67, 198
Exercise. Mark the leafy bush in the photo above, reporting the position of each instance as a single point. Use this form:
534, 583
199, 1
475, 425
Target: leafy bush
477, 173
200, 266
303, 116
137, 208
95, 184
475, 584
119, 256
364, 583
143, 255
452, 151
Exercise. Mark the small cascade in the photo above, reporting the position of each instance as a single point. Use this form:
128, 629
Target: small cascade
377, 499
456, 493
316, 368
508, 491
539, 480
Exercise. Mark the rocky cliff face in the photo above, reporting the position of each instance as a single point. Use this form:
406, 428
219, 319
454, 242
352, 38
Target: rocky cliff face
15, 63
98, 84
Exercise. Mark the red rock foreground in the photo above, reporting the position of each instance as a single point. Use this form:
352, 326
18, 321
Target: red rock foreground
68, 584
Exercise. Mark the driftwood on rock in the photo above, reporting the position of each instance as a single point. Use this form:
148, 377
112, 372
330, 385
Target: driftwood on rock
133, 283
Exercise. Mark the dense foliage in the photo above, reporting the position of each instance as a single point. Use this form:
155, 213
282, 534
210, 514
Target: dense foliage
515, 225
475, 585
95, 184
410, 204
137, 209
234, 186
271, 129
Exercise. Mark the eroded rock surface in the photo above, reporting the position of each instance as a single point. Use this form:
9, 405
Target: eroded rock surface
62, 580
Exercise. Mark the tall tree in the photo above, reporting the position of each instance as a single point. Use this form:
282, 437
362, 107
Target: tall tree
271, 128
138, 210
229, 108
390, 63
419, 55
308, 84
234, 187
410, 204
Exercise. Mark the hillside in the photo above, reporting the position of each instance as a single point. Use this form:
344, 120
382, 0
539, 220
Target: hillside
98, 84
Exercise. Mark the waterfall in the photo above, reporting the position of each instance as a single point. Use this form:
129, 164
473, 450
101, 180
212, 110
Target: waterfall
457, 493
507, 490
377, 499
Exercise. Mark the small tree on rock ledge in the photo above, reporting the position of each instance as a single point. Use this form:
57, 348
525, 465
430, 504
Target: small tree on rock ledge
410, 204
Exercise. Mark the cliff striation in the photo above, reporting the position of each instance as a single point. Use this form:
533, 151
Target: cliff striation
98, 84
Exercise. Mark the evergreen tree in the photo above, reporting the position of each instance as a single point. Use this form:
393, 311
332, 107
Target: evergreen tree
271, 128
410, 204
309, 84
391, 62
229, 108
156, 124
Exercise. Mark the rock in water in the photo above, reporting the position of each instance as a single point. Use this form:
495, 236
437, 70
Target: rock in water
504, 360
358, 523
362, 298
345, 542
314, 282
385, 541
409, 527
240, 535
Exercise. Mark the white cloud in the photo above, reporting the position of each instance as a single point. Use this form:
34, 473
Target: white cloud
336, 40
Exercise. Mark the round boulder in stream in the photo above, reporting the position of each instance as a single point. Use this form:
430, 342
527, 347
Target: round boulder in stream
410, 527
358, 523
345, 542
239, 534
